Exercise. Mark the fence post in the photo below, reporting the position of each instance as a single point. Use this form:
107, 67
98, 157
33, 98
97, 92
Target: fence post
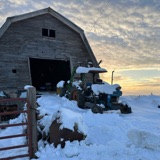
31, 97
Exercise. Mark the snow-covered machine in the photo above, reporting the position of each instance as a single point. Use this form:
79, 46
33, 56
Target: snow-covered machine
95, 94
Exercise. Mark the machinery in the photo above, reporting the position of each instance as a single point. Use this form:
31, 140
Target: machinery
95, 94
8, 108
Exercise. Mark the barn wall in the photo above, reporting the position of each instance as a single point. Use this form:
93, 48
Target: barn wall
23, 39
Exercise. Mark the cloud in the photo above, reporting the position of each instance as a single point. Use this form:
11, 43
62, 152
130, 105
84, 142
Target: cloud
1, 5
144, 88
126, 30
16, 3
135, 82
123, 33
130, 35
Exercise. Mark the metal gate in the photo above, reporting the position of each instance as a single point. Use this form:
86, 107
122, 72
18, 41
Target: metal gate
28, 135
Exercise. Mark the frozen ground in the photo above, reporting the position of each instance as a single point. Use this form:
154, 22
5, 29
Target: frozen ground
110, 136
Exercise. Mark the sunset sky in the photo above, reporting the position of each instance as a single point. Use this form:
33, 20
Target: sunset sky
125, 34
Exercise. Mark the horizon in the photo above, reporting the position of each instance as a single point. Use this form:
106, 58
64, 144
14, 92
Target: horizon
124, 34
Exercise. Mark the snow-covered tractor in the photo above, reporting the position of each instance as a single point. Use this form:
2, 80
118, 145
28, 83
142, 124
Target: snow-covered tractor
95, 94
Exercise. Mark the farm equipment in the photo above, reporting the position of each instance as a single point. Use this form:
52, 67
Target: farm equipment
9, 109
95, 94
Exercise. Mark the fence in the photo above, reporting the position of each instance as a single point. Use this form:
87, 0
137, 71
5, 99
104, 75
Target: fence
31, 134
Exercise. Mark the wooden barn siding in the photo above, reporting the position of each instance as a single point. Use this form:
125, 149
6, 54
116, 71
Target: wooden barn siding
24, 39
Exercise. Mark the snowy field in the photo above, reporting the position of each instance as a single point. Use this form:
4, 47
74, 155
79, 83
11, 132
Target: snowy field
109, 136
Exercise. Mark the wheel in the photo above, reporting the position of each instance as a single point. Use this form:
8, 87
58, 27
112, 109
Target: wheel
78, 96
125, 109
96, 109
61, 91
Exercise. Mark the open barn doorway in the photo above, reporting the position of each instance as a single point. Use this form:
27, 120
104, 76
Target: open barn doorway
45, 74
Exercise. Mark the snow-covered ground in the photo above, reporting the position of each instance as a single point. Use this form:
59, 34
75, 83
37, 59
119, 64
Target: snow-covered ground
109, 136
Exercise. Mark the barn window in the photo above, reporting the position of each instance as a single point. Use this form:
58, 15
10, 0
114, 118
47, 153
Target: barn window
52, 33
14, 71
48, 32
44, 32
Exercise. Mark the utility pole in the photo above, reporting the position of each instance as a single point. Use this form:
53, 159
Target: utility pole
112, 78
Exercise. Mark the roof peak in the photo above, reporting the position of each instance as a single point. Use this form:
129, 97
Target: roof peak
39, 12
53, 13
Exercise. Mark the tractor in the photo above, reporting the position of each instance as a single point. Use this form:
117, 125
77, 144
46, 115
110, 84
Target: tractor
95, 94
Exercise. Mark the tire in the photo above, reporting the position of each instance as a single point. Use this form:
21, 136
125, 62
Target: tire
78, 96
61, 91
125, 109
95, 109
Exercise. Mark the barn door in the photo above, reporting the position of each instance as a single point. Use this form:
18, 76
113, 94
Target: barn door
46, 73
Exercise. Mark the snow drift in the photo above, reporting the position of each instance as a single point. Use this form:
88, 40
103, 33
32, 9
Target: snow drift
111, 135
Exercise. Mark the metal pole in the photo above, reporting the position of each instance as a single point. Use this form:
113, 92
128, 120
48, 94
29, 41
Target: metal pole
112, 78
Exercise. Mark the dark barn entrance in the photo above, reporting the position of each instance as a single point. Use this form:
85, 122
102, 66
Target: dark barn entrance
45, 74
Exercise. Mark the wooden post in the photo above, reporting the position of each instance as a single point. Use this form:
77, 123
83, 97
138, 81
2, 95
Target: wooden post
31, 97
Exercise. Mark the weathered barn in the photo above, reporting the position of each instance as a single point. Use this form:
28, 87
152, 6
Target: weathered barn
40, 48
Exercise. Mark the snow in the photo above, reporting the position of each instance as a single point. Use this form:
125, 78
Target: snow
109, 136
104, 88
27, 87
77, 84
2, 94
87, 69
60, 84
23, 95
69, 119
13, 141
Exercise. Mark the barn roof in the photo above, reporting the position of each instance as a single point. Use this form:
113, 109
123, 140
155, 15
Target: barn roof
55, 14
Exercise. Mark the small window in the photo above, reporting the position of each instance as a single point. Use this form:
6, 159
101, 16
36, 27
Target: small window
52, 33
44, 32
48, 32
14, 71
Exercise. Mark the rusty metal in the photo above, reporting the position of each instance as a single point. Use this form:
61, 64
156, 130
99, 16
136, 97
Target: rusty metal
28, 123
13, 125
13, 136
13, 147
13, 99
13, 112
60, 136
14, 157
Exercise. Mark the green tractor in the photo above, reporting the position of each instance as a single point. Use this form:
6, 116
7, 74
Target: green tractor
92, 93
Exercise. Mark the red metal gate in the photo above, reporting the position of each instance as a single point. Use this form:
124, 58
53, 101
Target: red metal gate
27, 123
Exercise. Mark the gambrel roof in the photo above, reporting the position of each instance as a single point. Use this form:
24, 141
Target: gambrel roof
55, 14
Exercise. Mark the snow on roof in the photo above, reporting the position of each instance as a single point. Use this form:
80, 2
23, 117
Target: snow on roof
104, 88
89, 70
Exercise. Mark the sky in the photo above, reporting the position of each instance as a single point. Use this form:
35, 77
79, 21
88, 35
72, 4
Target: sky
124, 34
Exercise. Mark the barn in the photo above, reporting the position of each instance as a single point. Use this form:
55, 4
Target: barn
40, 48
